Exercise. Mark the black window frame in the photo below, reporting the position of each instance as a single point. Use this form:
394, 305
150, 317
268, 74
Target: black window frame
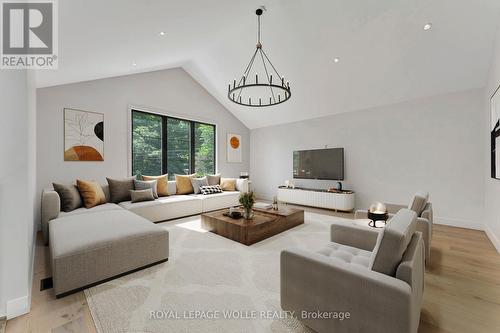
164, 138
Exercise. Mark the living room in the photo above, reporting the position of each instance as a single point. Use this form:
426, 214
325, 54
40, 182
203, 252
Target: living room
190, 166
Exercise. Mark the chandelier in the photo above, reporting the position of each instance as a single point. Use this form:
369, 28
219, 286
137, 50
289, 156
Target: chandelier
249, 90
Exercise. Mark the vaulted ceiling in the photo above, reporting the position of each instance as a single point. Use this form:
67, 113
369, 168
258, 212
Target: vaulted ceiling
385, 54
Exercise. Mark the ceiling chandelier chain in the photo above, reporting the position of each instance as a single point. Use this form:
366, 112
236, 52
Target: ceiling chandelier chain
236, 90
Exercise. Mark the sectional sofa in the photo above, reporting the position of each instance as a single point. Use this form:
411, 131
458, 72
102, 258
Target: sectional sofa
92, 245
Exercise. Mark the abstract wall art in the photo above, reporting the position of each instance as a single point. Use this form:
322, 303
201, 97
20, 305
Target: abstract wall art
83, 135
233, 148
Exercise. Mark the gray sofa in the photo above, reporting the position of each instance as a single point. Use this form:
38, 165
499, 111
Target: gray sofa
423, 207
89, 246
377, 276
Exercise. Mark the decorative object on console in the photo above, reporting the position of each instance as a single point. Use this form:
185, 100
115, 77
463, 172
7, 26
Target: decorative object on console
162, 183
142, 195
339, 186
233, 143
247, 200
147, 184
183, 183
495, 134
91, 192
83, 135
245, 89
377, 213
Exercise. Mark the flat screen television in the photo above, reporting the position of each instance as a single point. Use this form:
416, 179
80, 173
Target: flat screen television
319, 164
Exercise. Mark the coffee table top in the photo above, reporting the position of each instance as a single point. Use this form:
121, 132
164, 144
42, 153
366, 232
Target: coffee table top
260, 215
281, 211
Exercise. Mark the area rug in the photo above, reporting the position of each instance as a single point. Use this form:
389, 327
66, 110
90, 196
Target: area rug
209, 284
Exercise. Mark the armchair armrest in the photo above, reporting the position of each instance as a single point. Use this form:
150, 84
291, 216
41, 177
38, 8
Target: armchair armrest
51, 206
394, 208
354, 235
312, 282
360, 214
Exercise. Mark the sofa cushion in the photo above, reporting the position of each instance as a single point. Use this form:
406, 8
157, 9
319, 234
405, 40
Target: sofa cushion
162, 185
392, 242
197, 183
91, 192
217, 201
88, 248
418, 202
166, 208
144, 185
347, 254
69, 196
120, 188
183, 184
83, 210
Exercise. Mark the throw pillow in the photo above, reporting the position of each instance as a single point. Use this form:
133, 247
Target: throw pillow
197, 183
69, 195
119, 189
91, 192
141, 195
145, 184
210, 189
183, 183
162, 185
228, 184
213, 179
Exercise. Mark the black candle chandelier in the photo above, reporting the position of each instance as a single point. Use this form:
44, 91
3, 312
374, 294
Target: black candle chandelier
240, 92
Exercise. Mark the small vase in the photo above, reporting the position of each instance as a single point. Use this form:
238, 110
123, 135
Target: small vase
248, 213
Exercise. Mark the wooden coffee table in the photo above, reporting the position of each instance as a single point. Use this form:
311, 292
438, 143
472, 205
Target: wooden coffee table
265, 223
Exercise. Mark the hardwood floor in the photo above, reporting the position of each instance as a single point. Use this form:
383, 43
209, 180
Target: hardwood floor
462, 289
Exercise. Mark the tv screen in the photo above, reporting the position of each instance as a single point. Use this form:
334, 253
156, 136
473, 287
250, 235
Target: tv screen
319, 164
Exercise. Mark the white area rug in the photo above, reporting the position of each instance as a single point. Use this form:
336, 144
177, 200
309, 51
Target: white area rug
210, 274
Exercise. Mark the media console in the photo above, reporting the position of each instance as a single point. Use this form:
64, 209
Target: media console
337, 200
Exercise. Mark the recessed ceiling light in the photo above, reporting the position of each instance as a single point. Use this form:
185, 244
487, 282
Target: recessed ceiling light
134, 64
162, 33
336, 60
428, 26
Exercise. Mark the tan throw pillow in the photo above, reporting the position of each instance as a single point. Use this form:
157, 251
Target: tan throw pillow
91, 192
183, 184
162, 183
228, 184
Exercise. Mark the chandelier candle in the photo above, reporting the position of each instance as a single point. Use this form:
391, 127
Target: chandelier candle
244, 90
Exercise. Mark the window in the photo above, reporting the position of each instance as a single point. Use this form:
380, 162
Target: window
162, 144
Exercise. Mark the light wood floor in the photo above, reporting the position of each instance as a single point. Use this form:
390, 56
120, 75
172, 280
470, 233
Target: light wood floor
462, 289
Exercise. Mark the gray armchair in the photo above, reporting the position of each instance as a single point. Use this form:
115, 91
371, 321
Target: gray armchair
419, 204
375, 276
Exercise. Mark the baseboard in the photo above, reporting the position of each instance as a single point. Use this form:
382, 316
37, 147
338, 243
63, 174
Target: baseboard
458, 223
18, 307
493, 238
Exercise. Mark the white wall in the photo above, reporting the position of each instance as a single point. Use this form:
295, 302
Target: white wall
492, 186
17, 177
434, 144
169, 91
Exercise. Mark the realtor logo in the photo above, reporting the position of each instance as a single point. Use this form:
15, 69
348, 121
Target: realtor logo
29, 34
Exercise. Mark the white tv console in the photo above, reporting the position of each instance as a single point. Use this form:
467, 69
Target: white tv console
338, 200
